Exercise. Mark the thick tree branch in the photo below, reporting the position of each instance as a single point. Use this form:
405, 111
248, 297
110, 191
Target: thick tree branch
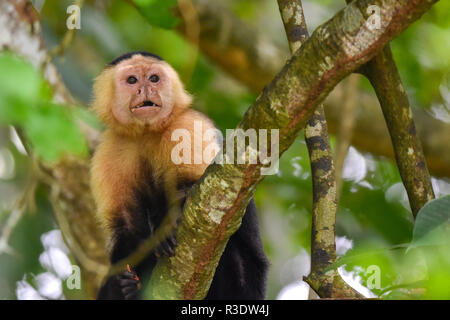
384, 77
323, 231
251, 58
69, 178
215, 205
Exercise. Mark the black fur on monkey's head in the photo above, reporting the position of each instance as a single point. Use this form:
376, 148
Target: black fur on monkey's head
128, 55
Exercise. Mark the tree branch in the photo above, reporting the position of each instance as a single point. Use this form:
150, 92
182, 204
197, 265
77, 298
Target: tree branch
215, 206
385, 79
251, 58
323, 231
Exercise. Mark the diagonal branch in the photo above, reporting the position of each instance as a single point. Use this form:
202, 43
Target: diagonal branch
250, 57
215, 205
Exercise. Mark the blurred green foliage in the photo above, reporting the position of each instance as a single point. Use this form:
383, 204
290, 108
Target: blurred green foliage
25, 240
25, 101
424, 263
158, 13
421, 53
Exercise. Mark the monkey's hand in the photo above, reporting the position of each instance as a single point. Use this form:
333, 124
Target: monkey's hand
124, 286
129, 284
167, 246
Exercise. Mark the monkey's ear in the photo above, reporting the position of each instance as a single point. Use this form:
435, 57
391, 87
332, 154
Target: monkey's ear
184, 99
103, 90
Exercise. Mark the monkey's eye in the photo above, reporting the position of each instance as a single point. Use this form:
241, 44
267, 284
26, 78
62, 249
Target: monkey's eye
131, 80
154, 78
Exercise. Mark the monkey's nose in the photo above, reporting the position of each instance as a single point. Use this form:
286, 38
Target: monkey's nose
142, 90
147, 91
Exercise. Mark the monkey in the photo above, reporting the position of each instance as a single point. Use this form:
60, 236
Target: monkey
141, 100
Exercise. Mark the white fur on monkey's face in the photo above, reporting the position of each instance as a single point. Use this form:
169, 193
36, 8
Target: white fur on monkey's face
144, 91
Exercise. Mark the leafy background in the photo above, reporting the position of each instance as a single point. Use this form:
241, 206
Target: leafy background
374, 218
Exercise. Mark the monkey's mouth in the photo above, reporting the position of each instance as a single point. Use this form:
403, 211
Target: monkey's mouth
144, 105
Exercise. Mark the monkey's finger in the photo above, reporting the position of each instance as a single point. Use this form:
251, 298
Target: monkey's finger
166, 248
128, 283
129, 290
128, 275
173, 241
127, 287
132, 296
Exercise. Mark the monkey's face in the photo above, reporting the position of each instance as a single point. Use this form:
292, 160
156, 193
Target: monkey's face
139, 94
144, 92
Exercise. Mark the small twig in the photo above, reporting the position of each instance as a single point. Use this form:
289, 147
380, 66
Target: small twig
12, 221
404, 286
192, 24
323, 245
67, 39
24, 202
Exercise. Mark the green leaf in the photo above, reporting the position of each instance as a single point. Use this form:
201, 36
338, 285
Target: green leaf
25, 101
53, 132
18, 78
432, 225
158, 12
21, 86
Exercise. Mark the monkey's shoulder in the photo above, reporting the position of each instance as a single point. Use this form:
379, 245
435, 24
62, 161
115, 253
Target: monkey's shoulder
190, 120
194, 141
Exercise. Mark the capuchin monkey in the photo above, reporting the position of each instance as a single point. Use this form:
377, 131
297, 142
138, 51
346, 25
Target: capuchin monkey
142, 101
